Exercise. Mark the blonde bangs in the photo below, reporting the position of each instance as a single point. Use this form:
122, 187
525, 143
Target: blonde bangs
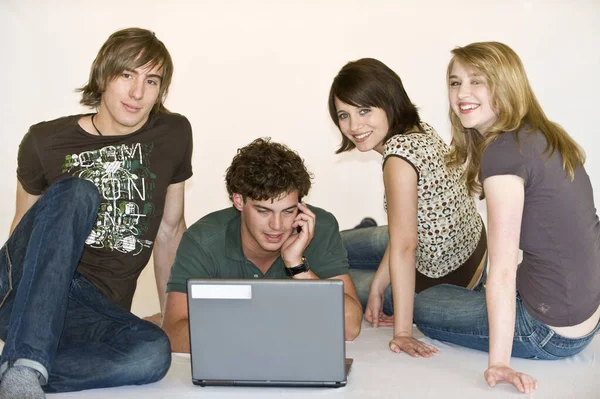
514, 103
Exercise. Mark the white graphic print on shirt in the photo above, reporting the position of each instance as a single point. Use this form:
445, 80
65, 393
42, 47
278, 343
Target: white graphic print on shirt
123, 177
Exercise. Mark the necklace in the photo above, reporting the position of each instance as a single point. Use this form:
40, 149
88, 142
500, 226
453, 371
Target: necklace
93, 124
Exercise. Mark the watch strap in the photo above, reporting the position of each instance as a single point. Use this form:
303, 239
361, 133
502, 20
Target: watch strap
301, 268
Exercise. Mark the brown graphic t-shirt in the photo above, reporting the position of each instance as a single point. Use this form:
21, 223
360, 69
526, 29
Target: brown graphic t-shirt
132, 173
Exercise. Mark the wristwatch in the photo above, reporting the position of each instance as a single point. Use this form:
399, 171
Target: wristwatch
301, 268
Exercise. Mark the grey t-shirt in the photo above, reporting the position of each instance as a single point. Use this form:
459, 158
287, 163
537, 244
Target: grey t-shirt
559, 278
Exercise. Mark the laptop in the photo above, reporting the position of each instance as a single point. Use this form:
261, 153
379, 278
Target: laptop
267, 333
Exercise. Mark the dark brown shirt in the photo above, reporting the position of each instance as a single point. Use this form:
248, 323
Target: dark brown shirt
559, 277
132, 173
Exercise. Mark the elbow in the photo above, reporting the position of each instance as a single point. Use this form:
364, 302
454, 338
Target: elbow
169, 231
178, 347
179, 339
406, 247
352, 318
168, 330
501, 276
352, 331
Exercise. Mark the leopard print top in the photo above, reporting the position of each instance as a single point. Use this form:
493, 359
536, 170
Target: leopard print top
448, 225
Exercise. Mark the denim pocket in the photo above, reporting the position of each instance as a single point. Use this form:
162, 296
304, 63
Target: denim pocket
559, 347
5, 275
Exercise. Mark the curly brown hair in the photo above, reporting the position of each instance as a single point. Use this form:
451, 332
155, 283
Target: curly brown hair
266, 170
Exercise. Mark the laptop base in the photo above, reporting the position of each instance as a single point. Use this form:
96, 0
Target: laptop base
296, 384
291, 384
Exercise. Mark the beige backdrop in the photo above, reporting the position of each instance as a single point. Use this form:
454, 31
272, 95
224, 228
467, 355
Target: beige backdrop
245, 69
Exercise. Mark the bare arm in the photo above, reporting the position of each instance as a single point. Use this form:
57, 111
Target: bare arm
172, 227
24, 201
381, 281
400, 180
176, 322
505, 196
352, 309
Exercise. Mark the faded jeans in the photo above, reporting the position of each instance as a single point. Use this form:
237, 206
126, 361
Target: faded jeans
458, 315
54, 319
366, 247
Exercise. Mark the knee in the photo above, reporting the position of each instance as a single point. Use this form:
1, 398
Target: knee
362, 282
80, 192
85, 192
429, 304
152, 358
381, 237
162, 358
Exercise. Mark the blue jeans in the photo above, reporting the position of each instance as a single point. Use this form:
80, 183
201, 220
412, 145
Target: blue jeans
366, 247
55, 320
458, 315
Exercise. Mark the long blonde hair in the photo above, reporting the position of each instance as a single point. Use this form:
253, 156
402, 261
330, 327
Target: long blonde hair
515, 105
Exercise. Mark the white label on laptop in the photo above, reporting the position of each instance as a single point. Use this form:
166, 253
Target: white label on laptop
221, 292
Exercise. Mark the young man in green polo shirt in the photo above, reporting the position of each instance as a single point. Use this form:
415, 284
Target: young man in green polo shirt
268, 233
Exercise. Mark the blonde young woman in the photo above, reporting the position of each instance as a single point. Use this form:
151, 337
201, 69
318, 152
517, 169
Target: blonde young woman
539, 199
435, 233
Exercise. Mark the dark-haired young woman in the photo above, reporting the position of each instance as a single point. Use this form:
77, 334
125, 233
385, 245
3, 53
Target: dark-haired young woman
435, 233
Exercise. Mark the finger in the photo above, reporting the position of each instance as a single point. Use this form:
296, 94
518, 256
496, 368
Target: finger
491, 379
386, 317
305, 213
370, 318
386, 320
424, 351
303, 226
306, 210
310, 224
527, 386
432, 348
516, 381
305, 223
385, 323
529, 383
394, 347
375, 321
411, 351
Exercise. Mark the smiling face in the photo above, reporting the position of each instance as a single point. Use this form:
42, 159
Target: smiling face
366, 127
266, 224
128, 99
469, 98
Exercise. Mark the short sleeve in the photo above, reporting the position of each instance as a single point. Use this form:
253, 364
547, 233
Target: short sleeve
329, 257
184, 169
505, 156
404, 146
191, 261
29, 170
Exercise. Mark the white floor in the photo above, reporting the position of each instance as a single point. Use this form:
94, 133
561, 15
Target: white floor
378, 373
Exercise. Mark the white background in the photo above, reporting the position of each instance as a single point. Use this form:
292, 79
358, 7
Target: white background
246, 69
